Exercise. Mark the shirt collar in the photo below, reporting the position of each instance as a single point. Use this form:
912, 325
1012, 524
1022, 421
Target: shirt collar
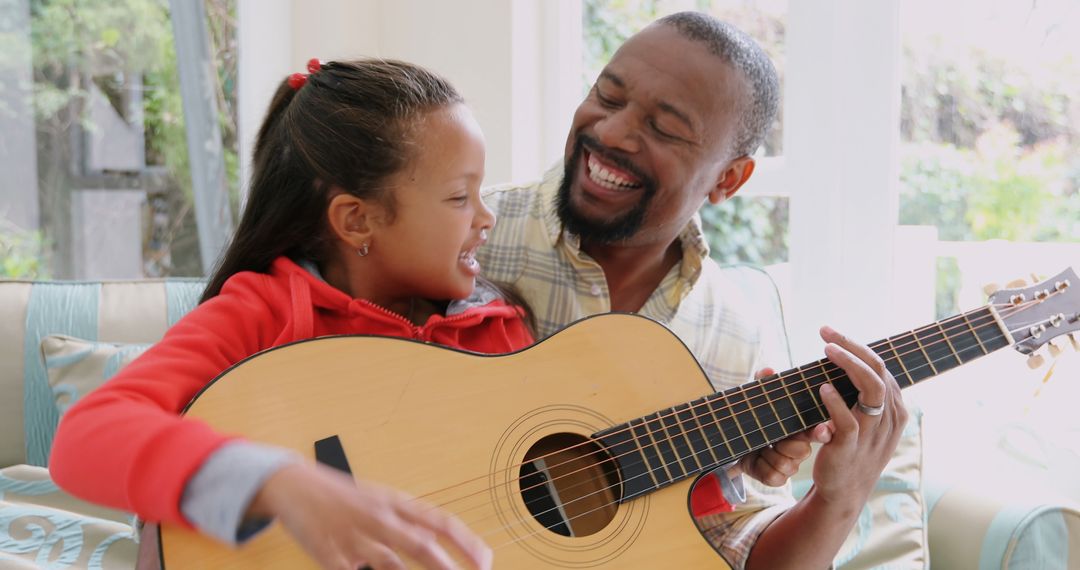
549, 199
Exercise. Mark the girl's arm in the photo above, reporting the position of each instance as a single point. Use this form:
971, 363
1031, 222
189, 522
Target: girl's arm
125, 445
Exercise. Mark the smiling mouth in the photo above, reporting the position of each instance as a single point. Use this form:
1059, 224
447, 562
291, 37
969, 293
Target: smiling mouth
468, 257
609, 176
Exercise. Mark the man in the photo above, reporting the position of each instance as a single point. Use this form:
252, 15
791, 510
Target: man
671, 122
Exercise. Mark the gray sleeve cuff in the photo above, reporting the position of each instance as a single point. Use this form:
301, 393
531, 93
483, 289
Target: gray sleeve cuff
216, 498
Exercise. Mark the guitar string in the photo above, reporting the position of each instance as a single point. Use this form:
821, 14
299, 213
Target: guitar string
824, 365
675, 451
800, 371
522, 522
775, 379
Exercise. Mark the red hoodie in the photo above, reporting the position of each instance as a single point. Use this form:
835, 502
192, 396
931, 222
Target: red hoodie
125, 445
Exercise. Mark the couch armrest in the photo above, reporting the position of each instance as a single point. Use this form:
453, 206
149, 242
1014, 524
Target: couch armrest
970, 526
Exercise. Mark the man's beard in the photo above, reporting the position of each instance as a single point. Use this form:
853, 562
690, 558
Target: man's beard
601, 231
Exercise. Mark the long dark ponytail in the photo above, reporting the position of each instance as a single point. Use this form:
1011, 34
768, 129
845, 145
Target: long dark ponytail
348, 127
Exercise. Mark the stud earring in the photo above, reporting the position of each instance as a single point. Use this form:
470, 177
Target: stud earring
363, 251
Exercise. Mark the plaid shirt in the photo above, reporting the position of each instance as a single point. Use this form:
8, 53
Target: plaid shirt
529, 249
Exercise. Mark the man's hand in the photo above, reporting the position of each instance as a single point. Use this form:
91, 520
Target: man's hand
863, 442
775, 464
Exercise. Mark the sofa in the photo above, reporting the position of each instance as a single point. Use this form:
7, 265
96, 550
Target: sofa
60, 339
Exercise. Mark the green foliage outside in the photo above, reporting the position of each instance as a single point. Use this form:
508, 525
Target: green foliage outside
991, 150
107, 43
22, 253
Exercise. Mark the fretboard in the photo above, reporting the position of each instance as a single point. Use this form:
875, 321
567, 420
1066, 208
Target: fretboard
682, 441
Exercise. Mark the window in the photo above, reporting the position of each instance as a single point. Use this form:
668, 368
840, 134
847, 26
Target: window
990, 191
96, 144
990, 130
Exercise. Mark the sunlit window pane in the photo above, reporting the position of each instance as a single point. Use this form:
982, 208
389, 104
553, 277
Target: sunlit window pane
991, 136
106, 191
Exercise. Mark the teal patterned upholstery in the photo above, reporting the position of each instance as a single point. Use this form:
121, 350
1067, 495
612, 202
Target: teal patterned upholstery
40, 525
43, 527
71, 308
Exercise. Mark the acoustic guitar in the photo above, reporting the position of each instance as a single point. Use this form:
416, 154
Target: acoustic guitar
578, 452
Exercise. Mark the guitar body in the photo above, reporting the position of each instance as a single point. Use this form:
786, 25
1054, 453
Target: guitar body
454, 428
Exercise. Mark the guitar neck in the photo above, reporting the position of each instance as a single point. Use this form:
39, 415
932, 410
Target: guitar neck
682, 441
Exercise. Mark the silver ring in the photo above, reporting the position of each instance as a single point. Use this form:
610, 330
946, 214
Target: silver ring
870, 410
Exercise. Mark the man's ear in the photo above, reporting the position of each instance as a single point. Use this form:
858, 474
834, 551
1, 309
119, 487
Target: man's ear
733, 176
352, 220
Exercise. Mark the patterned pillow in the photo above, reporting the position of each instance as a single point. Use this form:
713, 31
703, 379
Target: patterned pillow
891, 529
76, 366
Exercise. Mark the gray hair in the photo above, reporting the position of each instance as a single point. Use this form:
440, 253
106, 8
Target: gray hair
745, 55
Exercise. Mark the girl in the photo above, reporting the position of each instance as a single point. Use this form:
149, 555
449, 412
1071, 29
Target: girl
364, 216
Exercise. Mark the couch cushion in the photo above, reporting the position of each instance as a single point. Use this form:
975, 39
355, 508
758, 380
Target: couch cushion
121, 311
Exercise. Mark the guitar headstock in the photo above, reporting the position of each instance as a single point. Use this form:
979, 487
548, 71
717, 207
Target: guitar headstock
1038, 314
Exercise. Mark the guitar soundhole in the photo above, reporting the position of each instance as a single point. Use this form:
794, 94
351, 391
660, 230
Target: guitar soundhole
570, 485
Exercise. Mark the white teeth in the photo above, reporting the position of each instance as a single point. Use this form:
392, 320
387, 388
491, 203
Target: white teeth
606, 178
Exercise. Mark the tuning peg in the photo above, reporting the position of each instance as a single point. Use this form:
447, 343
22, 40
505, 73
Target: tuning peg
991, 288
1035, 278
1074, 341
1055, 350
1016, 284
1035, 360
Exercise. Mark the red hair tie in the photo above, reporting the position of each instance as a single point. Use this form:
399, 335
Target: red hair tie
298, 80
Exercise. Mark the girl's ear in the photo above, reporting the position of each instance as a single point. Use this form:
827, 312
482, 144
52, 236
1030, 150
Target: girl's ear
353, 220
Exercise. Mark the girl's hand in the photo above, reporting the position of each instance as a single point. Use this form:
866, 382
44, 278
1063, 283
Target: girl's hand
347, 524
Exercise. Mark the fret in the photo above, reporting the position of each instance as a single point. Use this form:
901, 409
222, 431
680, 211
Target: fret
929, 361
964, 342
794, 404
744, 418
990, 332
670, 459
941, 356
623, 447
817, 413
839, 379
912, 358
700, 432
763, 411
677, 435
652, 456
699, 460
948, 341
896, 361
975, 334
729, 433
